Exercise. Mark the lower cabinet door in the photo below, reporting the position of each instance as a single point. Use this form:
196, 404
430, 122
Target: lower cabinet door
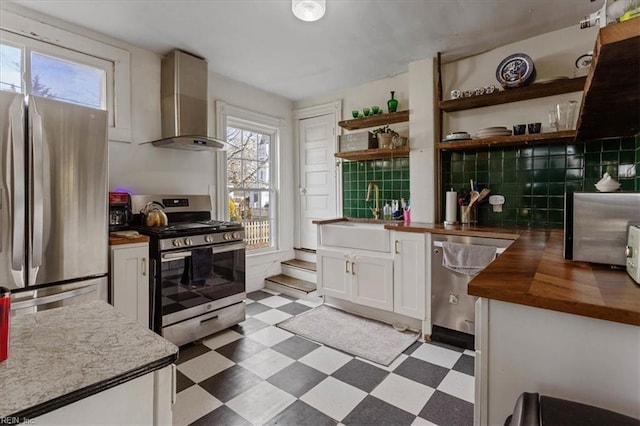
372, 281
334, 273
130, 281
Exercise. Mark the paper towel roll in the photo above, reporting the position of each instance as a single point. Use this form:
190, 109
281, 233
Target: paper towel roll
451, 207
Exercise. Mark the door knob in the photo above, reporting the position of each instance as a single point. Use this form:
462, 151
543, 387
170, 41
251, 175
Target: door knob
303, 191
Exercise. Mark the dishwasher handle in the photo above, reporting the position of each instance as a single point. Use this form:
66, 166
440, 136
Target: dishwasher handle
499, 250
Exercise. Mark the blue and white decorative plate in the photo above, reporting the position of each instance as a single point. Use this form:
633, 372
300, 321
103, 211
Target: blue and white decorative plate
515, 70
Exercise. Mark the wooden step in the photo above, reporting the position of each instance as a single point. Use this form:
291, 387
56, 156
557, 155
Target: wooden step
305, 254
302, 264
291, 286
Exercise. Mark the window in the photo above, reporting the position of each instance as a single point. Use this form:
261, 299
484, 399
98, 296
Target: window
75, 69
250, 176
54, 73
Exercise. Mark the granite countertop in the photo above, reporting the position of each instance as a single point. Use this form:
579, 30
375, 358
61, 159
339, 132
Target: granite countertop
533, 272
62, 355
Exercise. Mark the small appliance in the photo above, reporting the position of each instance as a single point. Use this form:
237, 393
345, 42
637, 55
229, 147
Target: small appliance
596, 225
5, 307
119, 211
633, 252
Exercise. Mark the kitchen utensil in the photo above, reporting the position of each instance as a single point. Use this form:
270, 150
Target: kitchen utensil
474, 197
483, 194
154, 214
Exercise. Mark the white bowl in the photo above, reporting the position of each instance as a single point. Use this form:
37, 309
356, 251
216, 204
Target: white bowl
610, 187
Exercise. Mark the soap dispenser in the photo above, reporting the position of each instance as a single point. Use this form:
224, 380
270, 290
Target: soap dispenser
386, 211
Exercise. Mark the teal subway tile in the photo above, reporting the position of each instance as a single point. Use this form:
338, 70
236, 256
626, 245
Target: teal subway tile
556, 216
627, 157
557, 150
558, 162
610, 156
555, 188
574, 174
539, 189
627, 184
574, 149
556, 175
611, 144
525, 152
510, 153
575, 161
593, 146
556, 202
628, 142
541, 163
541, 150
540, 202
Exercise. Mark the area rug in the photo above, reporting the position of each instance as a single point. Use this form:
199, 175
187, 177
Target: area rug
355, 335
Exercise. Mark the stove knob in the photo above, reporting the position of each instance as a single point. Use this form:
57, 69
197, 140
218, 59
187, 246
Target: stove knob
236, 235
188, 241
177, 243
227, 236
208, 238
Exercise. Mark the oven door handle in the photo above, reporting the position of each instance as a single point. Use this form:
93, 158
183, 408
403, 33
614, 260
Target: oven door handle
221, 248
166, 257
218, 248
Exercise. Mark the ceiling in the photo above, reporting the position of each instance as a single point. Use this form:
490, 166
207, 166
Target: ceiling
261, 43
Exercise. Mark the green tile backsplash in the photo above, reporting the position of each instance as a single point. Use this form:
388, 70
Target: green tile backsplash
533, 179
392, 177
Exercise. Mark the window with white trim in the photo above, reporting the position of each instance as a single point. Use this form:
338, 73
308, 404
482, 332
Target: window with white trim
37, 58
251, 178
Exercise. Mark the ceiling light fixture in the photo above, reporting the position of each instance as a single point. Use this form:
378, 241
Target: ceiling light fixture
308, 10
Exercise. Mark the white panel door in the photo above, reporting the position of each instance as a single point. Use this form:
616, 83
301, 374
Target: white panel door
317, 175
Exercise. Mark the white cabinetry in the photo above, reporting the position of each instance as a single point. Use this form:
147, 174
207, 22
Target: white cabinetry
146, 400
409, 274
358, 276
130, 280
525, 349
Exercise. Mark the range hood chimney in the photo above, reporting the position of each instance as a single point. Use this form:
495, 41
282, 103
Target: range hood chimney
183, 93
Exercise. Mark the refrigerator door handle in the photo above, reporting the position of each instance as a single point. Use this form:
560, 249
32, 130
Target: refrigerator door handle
16, 189
37, 198
53, 298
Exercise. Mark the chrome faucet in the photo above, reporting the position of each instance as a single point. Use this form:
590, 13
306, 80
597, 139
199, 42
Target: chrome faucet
376, 209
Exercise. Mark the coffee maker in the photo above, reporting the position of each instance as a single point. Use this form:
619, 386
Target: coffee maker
120, 215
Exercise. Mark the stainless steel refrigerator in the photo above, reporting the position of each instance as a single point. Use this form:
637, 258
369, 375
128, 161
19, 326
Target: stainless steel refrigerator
53, 202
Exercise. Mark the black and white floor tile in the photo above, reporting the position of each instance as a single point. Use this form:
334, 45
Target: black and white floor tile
258, 374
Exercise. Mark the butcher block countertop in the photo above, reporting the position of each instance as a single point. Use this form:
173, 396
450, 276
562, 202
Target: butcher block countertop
533, 272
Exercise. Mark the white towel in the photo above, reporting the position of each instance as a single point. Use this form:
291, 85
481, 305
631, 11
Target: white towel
467, 259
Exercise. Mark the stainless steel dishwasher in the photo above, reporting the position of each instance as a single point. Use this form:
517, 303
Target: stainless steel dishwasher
451, 306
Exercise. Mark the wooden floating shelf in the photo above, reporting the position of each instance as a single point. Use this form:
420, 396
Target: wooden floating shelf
375, 120
532, 91
536, 138
374, 154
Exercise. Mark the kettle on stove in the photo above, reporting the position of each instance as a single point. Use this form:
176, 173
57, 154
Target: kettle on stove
154, 215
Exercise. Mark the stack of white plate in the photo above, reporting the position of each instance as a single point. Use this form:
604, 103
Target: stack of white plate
457, 136
489, 132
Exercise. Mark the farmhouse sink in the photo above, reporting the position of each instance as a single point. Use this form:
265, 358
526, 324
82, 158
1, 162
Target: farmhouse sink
356, 235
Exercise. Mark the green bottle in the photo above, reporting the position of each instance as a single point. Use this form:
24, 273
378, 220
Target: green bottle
392, 104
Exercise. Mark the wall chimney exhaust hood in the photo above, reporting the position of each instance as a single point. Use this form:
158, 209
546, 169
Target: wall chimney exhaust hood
183, 97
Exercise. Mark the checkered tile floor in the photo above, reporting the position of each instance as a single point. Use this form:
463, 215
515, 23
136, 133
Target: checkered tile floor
256, 373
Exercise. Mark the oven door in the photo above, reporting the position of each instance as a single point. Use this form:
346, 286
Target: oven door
199, 280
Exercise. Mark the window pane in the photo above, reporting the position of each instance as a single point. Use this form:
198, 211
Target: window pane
249, 183
67, 81
10, 68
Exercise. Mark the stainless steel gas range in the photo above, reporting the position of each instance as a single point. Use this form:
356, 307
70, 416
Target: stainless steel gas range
197, 286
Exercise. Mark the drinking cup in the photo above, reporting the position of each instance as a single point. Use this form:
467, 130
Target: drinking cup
375, 109
534, 127
478, 91
456, 94
355, 113
467, 93
489, 89
567, 115
366, 111
519, 129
